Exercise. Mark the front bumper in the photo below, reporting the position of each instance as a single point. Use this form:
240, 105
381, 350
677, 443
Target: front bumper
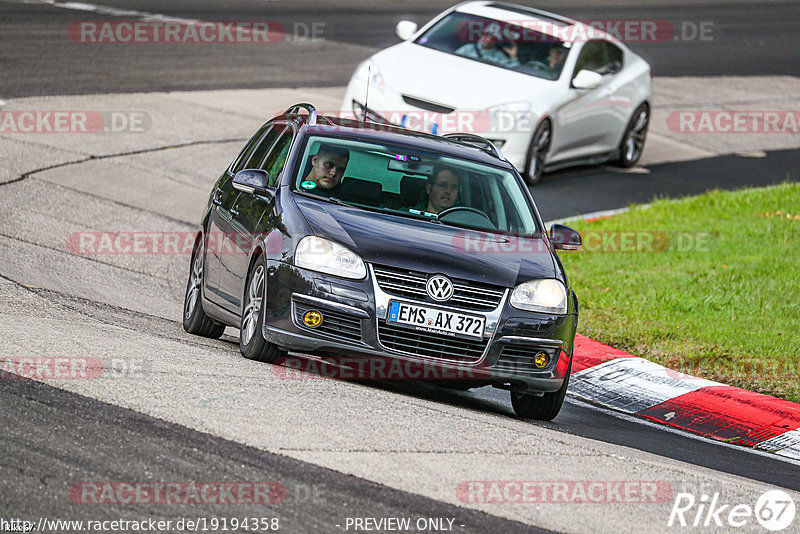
355, 324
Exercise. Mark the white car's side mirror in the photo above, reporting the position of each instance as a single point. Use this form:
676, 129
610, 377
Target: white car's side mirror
586, 79
405, 29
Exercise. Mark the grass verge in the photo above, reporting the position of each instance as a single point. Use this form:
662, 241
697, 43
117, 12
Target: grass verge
707, 285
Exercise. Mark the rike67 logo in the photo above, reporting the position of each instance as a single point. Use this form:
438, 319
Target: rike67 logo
774, 510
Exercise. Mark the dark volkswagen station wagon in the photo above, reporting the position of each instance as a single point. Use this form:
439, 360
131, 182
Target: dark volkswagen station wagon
329, 237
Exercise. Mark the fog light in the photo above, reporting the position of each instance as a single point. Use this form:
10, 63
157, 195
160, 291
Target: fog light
541, 359
312, 318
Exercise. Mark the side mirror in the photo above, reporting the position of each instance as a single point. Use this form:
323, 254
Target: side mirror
405, 29
586, 79
565, 238
252, 181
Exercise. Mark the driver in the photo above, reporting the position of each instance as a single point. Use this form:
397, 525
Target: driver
327, 167
488, 49
442, 188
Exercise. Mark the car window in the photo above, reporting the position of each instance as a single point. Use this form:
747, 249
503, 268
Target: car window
277, 156
241, 159
614, 54
256, 159
408, 182
599, 56
592, 57
538, 53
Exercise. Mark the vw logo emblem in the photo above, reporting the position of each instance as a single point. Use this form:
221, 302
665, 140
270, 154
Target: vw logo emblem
439, 287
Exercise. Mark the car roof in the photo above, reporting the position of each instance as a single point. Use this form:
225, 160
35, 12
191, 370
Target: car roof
388, 133
542, 21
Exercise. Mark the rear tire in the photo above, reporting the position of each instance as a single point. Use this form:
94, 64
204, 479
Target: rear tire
544, 408
195, 320
252, 344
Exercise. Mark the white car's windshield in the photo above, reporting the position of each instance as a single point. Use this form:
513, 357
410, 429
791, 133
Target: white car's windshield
517, 47
408, 182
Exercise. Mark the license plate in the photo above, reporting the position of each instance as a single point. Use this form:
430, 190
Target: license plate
435, 321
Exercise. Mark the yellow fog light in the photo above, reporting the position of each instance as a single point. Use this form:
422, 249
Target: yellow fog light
312, 318
541, 360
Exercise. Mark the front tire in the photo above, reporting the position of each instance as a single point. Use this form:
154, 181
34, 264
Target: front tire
537, 150
195, 320
544, 408
252, 344
632, 144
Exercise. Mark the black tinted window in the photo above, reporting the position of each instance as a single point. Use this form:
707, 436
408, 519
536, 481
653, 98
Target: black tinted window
258, 156
277, 156
241, 159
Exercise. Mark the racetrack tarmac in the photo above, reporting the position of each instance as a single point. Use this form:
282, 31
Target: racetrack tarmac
189, 409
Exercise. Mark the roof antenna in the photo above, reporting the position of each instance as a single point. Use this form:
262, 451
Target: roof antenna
366, 97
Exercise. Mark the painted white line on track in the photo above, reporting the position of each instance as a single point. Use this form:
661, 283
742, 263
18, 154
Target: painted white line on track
115, 12
642, 421
593, 215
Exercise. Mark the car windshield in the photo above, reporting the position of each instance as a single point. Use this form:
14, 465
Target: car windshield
407, 182
519, 47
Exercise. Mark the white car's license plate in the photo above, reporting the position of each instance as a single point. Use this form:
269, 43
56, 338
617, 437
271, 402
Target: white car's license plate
437, 321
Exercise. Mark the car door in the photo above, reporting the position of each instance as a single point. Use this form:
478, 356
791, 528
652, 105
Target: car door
588, 121
253, 212
223, 198
233, 264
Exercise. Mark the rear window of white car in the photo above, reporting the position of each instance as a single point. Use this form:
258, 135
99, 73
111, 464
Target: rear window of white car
520, 48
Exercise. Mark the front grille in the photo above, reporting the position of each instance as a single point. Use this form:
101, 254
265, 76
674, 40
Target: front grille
411, 284
519, 359
430, 345
334, 324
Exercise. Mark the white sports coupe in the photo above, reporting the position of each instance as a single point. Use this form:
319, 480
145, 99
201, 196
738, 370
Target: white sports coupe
547, 90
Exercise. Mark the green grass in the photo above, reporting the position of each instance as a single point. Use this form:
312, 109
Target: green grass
727, 310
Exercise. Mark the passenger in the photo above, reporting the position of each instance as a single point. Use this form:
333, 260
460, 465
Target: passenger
442, 189
487, 49
556, 58
327, 167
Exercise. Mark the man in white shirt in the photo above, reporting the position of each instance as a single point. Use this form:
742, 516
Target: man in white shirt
487, 50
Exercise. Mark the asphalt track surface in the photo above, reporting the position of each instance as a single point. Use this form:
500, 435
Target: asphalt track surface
52, 437
744, 38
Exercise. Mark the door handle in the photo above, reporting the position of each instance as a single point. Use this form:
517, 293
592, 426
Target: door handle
234, 212
215, 199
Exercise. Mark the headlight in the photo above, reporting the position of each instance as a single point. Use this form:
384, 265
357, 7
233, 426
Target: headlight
510, 112
548, 296
318, 254
368, 70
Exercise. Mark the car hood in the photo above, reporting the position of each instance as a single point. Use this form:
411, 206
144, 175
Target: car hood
458, 82
425, 246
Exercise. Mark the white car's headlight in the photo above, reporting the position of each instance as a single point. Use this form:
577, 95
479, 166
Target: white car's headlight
511, 107
369, 71
506, 115
548, 296
318, 254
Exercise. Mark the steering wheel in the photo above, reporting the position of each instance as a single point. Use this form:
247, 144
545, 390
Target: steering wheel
456, 209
